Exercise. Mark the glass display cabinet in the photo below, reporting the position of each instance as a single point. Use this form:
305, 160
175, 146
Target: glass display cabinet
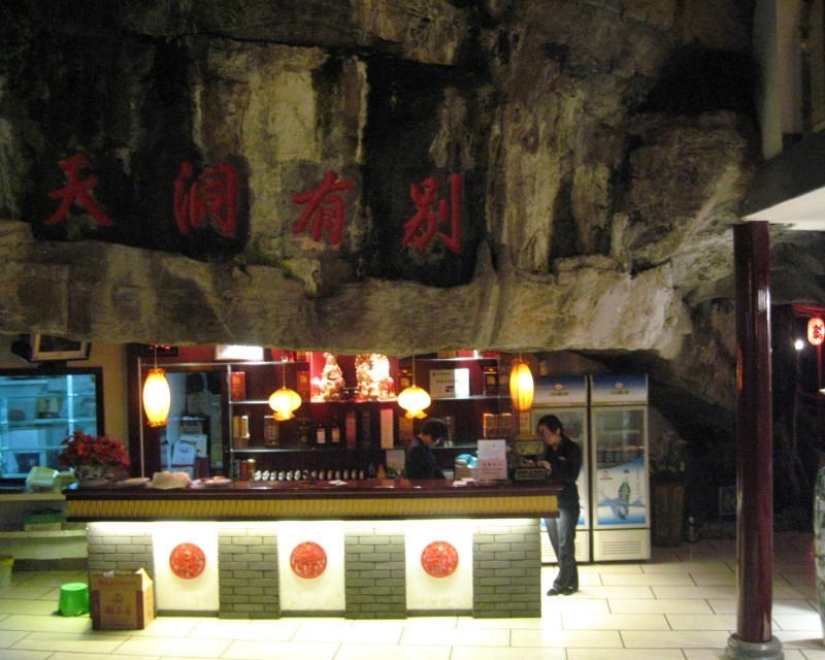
39, 408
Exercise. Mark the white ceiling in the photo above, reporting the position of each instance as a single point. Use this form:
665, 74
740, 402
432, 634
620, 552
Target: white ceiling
804, 213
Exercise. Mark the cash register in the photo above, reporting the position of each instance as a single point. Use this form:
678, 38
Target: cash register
524, 455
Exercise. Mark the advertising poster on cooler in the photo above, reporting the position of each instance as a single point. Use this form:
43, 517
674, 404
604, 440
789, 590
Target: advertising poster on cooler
621, 498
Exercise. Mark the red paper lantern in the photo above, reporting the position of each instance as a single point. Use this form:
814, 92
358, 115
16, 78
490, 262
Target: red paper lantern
816, 331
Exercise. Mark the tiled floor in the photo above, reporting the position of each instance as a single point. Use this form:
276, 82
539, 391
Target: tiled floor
679, 605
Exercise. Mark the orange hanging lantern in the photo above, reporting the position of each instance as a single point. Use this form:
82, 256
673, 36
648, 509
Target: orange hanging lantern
284, 402
414, 400
156, 397
521, 386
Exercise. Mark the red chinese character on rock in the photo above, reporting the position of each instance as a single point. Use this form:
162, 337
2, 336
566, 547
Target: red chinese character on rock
212, 196
420, 229
77, 190
324, 209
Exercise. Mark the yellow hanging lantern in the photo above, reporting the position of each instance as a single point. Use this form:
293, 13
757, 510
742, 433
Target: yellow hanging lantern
414, 400
284, 402
156, 397
521, 386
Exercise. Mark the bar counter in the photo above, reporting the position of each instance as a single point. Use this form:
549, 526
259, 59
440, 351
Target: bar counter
376, 548
372, 499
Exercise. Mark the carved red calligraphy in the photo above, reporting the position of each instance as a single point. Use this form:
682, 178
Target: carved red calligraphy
308, 560
439, 559
325, 211
432, 212
210, 198
187, 561
77, 190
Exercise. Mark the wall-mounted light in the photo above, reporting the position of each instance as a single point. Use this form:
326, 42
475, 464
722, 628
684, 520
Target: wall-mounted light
414, 399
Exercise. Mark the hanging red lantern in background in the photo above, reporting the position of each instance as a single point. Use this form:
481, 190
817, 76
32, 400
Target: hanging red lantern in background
816, 331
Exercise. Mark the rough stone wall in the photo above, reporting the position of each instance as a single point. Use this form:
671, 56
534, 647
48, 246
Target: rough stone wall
605, 183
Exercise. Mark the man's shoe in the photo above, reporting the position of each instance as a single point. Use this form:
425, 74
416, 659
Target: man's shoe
554, 592
567, 591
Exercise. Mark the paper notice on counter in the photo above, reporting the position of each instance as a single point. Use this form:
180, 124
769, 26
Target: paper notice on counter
492, 460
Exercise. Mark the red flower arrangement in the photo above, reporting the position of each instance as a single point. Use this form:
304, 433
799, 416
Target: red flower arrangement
83, 449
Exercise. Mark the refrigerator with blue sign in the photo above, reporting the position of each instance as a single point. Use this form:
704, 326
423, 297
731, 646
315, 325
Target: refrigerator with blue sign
619, 450
566, 398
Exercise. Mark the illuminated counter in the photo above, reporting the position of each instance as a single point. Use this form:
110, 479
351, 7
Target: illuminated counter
371, 549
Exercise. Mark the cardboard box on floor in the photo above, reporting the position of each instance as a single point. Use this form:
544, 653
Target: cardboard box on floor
121, 600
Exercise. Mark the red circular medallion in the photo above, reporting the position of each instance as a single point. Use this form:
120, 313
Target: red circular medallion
308, 560
187, 561
439, 559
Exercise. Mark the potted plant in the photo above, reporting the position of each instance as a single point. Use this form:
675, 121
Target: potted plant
95, 460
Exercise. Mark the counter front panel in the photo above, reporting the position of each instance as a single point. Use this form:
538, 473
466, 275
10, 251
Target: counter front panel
385, 549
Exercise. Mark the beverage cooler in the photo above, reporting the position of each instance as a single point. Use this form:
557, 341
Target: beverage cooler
619, 456
566, 398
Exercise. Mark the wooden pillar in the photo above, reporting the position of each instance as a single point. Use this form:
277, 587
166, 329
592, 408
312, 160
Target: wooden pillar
754, 438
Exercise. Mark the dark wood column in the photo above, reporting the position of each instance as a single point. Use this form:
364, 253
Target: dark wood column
754, 434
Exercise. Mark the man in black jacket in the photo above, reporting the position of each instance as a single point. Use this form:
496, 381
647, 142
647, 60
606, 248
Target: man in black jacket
563, 460
420, 461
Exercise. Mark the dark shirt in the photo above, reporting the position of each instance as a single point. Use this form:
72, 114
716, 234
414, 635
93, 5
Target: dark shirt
420, 462
565, 465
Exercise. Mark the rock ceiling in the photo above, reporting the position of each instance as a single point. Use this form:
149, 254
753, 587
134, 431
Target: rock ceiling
604, 149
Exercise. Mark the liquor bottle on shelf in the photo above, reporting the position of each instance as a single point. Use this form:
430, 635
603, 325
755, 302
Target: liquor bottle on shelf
404, 379
303, 433
272, 431
351, 429
238, 385
335, 432
491, 380
366, 429
320, 435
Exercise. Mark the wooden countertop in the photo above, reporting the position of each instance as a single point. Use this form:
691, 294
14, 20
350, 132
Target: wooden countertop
315, 500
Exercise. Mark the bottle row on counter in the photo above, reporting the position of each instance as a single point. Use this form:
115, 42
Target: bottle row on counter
246, 470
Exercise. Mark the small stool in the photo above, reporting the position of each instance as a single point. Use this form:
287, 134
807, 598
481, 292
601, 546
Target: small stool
74, 599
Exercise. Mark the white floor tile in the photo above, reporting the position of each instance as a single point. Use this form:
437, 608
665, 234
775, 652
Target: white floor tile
675, 639
85, 643
682, 604
625, 654
258, 650
521, 653
659, 605
567, 638
702, 621
456, 637
349, 634
615, 622
647, 579
169, 647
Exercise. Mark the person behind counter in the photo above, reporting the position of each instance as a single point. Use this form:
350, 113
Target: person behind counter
420, 461
563, 460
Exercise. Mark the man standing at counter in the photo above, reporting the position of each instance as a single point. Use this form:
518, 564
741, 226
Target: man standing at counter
420, 462
563, 460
